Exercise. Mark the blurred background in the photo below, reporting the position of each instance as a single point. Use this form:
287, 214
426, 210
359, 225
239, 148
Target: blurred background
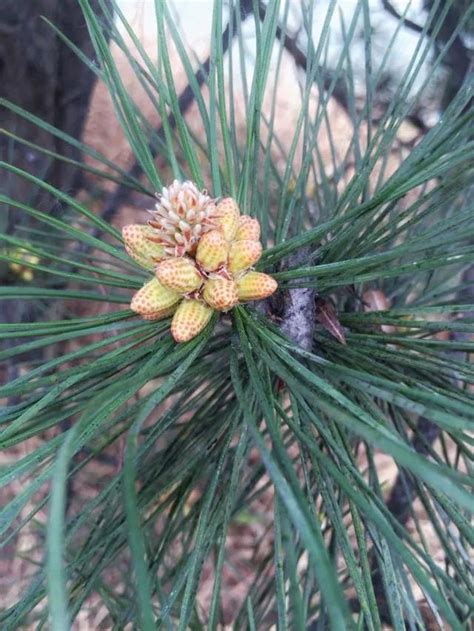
39, 71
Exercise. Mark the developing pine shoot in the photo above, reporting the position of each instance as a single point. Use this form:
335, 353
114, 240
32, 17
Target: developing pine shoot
202, 253
181, 216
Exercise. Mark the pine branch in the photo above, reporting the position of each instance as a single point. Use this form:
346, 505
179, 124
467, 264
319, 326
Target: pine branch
299, 307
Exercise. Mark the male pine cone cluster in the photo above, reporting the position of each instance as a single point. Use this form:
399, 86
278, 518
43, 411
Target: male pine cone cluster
201, 252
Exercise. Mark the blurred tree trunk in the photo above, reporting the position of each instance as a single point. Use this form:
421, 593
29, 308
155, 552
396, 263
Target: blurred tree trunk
40, 73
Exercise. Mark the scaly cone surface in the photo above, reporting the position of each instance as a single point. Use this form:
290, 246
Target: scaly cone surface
202, 253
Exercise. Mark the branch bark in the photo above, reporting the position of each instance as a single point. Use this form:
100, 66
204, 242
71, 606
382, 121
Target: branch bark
393, 12
40, 73
299, 307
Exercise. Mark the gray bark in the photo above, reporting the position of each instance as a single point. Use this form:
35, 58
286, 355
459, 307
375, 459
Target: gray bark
40, 73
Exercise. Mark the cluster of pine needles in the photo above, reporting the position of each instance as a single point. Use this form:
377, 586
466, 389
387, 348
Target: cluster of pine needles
378, 247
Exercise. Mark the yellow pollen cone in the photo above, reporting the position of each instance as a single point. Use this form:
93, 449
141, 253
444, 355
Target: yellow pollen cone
138, 247
179, 274
227, 217
221, 294
248, 229
190, 318
160, 315
243, 254
212, 250
256, 286
153, 298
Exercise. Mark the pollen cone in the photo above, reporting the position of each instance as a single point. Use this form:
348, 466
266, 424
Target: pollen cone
154, 298
243, 254
139, 247
256, 286
227, 217
221, 294
179, 274
190, 318
248, 229
212, 250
